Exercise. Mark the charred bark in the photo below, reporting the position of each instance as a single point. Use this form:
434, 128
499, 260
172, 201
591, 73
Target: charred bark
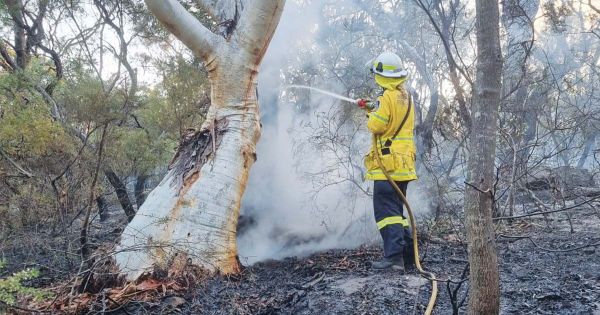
102, 208
193, 213
195, 150
121, 191
140, 189
484, 277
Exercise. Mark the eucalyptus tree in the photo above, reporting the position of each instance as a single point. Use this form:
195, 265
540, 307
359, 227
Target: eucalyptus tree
193, 213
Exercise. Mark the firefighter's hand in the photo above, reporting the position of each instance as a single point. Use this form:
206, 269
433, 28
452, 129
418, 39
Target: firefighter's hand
364, 104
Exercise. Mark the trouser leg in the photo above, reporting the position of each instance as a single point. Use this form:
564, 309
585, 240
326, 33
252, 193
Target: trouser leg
388, 209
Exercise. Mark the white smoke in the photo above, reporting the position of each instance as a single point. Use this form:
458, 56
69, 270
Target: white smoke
290, 216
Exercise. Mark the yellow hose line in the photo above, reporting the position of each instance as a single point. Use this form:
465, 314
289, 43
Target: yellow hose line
413, 225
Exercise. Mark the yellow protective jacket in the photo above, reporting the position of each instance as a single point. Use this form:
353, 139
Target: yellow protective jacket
400, 161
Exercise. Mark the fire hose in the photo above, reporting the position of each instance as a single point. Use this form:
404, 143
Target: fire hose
413, 225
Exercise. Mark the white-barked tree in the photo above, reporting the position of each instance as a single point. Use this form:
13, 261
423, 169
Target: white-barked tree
192, 215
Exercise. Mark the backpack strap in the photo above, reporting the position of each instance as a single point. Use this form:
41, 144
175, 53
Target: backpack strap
388, 142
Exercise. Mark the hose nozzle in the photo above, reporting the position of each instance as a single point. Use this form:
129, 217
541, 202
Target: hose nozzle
365, 104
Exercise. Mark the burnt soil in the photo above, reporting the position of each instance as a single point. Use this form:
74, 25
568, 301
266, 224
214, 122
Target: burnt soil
533, 280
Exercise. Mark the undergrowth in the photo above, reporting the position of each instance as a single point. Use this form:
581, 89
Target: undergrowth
12, 287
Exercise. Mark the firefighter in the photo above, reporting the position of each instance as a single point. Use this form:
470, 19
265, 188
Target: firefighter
392, 121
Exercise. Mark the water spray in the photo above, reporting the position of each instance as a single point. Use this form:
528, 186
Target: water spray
362, 103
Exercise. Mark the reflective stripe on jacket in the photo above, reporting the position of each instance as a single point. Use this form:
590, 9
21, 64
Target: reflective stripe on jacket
400, 162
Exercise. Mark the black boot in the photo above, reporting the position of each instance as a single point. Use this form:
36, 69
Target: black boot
394, 262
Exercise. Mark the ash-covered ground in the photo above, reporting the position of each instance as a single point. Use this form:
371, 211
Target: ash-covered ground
533, 280
537, 278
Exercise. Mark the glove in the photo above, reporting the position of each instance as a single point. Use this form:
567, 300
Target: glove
364, 104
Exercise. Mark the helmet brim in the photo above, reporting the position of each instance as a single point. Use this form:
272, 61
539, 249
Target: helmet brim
369, 64
389, 74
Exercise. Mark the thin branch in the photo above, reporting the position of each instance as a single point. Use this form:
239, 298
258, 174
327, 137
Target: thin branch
123, 54
85, 250
546, 212
487, 191
79, 153
84, 43
445, 43
549, 249
17, 166
24, 309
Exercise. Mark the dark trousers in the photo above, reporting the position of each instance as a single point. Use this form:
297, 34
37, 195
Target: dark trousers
397, 239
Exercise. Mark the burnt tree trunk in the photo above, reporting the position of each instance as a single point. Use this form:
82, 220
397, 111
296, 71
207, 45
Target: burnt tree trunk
102, 208
140, 189
484, 277
15, 9
121, 192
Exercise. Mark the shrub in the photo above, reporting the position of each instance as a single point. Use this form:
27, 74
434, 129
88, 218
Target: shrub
12, 286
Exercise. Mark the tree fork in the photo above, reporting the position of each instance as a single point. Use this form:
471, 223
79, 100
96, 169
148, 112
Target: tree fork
193, 212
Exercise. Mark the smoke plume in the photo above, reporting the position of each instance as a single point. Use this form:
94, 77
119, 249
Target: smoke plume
295, 204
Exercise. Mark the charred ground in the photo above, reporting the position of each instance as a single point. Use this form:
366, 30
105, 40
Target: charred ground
557, 273
534, 280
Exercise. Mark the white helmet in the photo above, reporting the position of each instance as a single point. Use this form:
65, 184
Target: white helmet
387, 65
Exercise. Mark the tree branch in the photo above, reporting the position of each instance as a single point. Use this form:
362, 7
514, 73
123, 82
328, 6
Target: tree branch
593, 7
261, 18
47, 97
15, 10
546, 212
187, 28
453, 66
17, 166
57, 64
123, 53
6, 56
549, 249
